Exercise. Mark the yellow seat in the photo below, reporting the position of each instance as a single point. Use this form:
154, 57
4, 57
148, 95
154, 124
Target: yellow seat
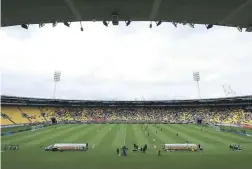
34, 113
5, 121
14, 114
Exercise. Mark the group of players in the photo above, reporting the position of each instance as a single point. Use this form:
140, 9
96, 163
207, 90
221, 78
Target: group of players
235, 147
135, 149
11, 147
141, 149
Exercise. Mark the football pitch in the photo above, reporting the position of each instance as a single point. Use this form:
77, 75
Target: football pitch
104, 139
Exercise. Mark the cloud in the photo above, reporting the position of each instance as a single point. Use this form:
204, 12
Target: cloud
124, 62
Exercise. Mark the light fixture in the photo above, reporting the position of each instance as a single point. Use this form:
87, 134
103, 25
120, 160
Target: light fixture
209, 26
249, 29
54, 23
175, 24
105, 23
150, 25
159, 23
67, 24
25, 26
115, 19
128, 22
81, 27
41, 25
239, 28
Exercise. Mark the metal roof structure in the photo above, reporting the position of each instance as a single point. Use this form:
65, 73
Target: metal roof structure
215, 12
25, 101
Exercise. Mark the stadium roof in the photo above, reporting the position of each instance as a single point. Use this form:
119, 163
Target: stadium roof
216, 12
25, 101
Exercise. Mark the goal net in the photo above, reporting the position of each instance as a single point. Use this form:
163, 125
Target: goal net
37, 127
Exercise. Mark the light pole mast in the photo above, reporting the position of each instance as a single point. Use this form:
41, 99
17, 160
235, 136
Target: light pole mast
225, 91
57, 75
196, 78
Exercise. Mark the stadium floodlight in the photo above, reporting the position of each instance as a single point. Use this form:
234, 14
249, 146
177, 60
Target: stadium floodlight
196, 78
57, 75
25, 26
54, 23
105, 23
249, 29
191, 25
115, 19
81, 27
209, 26
175, 24
128, 22
159, 23
239, 28
67, 24
41, 25
150, 25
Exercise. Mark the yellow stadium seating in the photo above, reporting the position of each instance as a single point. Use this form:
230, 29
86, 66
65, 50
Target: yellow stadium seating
50, 112
14, 114
34, 113
5, 121
209, 115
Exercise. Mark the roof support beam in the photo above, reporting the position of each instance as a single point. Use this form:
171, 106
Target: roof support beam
155, 9
236, 12
74, 10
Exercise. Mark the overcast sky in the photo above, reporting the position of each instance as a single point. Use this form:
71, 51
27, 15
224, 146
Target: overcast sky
124, 63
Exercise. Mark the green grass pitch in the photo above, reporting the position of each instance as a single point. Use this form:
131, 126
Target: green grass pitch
14, 129
103, 140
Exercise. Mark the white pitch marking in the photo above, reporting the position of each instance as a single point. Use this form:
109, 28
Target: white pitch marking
93, 146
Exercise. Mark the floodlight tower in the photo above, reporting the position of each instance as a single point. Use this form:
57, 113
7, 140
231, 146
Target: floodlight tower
143, 98
196, 78
225, 90
231, 91
57, 75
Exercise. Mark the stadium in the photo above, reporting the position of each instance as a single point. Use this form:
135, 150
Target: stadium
215, 124
94, 119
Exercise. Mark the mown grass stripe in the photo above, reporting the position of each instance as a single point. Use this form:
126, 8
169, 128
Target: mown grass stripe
55, 136
171, 133
25, 136
157, 140
78, 133
130, 136
103, 131
203, 135
143, 137
106, 142
119, 136
195, 139
229, 137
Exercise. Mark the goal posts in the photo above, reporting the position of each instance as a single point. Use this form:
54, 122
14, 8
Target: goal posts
37, 127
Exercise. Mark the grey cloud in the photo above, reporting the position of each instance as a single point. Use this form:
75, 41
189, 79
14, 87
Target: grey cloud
125, 62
